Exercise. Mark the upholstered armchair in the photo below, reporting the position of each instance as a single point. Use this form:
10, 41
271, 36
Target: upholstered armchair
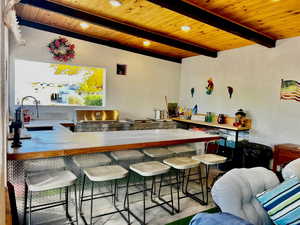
235, 193
291, 169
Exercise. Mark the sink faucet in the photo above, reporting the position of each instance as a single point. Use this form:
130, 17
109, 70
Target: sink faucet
36, 104
17, 124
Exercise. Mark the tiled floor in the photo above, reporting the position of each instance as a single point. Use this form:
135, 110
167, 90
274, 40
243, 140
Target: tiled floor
156, 216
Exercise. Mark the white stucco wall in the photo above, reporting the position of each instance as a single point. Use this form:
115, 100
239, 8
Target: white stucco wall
255, 73
148, 81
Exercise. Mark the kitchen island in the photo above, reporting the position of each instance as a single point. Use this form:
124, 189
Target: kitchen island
60, 141
56, 140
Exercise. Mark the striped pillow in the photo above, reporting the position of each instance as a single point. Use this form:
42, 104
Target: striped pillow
283, 202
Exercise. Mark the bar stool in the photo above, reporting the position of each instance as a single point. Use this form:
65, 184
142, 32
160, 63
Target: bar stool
88, 161
127, 157
91, 160
180, 165
102, 174
209, 160
150, 169
55, 177
159, 154
182, 150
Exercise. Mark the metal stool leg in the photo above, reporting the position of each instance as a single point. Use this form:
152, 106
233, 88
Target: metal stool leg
171, 190
161, 198
67, 202
115, 192
200, 181
185, 184
126, 199
81, 196
160, 184
111, 190
144, 200
206, 182
178, 188
152, 188
76, 210
185, 190
142, 221
30, 203
92, 198
25, 204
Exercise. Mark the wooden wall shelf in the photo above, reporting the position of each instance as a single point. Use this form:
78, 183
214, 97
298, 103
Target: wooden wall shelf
228, 125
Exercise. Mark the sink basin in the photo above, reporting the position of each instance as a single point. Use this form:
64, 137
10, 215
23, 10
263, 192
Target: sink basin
40, 128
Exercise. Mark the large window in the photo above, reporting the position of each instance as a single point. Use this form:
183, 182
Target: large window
59, 84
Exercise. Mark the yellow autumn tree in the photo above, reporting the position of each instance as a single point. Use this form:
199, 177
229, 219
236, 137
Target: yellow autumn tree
61, 69
93, 81
93, 77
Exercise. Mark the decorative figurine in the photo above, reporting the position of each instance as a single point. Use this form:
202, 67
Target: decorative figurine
195, 109
230, 91
221, 119
192, 92
240, 118
210, 86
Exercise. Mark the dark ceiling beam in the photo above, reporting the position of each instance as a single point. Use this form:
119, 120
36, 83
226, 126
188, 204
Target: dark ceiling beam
203, 16
121, 27
109, 43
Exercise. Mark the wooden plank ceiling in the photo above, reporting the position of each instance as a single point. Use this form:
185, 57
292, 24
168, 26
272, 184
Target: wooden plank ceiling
275, 19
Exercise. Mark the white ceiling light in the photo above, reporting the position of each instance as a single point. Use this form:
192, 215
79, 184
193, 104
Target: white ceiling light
186, 28
146, 43
84, 25
115, 3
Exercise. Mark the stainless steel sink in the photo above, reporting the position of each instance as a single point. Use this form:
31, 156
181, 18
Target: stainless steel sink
39, 128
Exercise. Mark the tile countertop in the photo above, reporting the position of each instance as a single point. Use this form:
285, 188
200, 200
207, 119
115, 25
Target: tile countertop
62, 142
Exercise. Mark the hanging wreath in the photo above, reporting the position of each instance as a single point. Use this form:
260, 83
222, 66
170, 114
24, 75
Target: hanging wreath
61, 49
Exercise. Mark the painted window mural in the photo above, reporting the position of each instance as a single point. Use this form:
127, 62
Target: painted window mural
60, 84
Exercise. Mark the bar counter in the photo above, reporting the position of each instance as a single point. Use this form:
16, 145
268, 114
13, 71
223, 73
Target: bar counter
62, 142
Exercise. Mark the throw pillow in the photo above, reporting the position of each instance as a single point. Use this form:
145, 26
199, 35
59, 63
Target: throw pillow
283, 202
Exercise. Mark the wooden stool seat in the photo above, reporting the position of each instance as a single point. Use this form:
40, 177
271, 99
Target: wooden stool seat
151, 168
177, 149
157, 152
210, 159
91, 160
127, 155
50, 180
105, 173
182, 163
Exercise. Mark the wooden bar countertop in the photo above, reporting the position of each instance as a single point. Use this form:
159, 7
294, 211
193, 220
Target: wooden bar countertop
62, 142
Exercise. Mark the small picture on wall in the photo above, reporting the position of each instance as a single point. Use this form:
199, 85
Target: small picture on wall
290, 90
121, 69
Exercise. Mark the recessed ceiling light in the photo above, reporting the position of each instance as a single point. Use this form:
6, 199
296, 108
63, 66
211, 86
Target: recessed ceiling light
146, 43
115, 3
84, 25
186, 28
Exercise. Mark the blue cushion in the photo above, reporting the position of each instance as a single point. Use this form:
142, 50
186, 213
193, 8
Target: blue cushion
217, 218
283, 202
